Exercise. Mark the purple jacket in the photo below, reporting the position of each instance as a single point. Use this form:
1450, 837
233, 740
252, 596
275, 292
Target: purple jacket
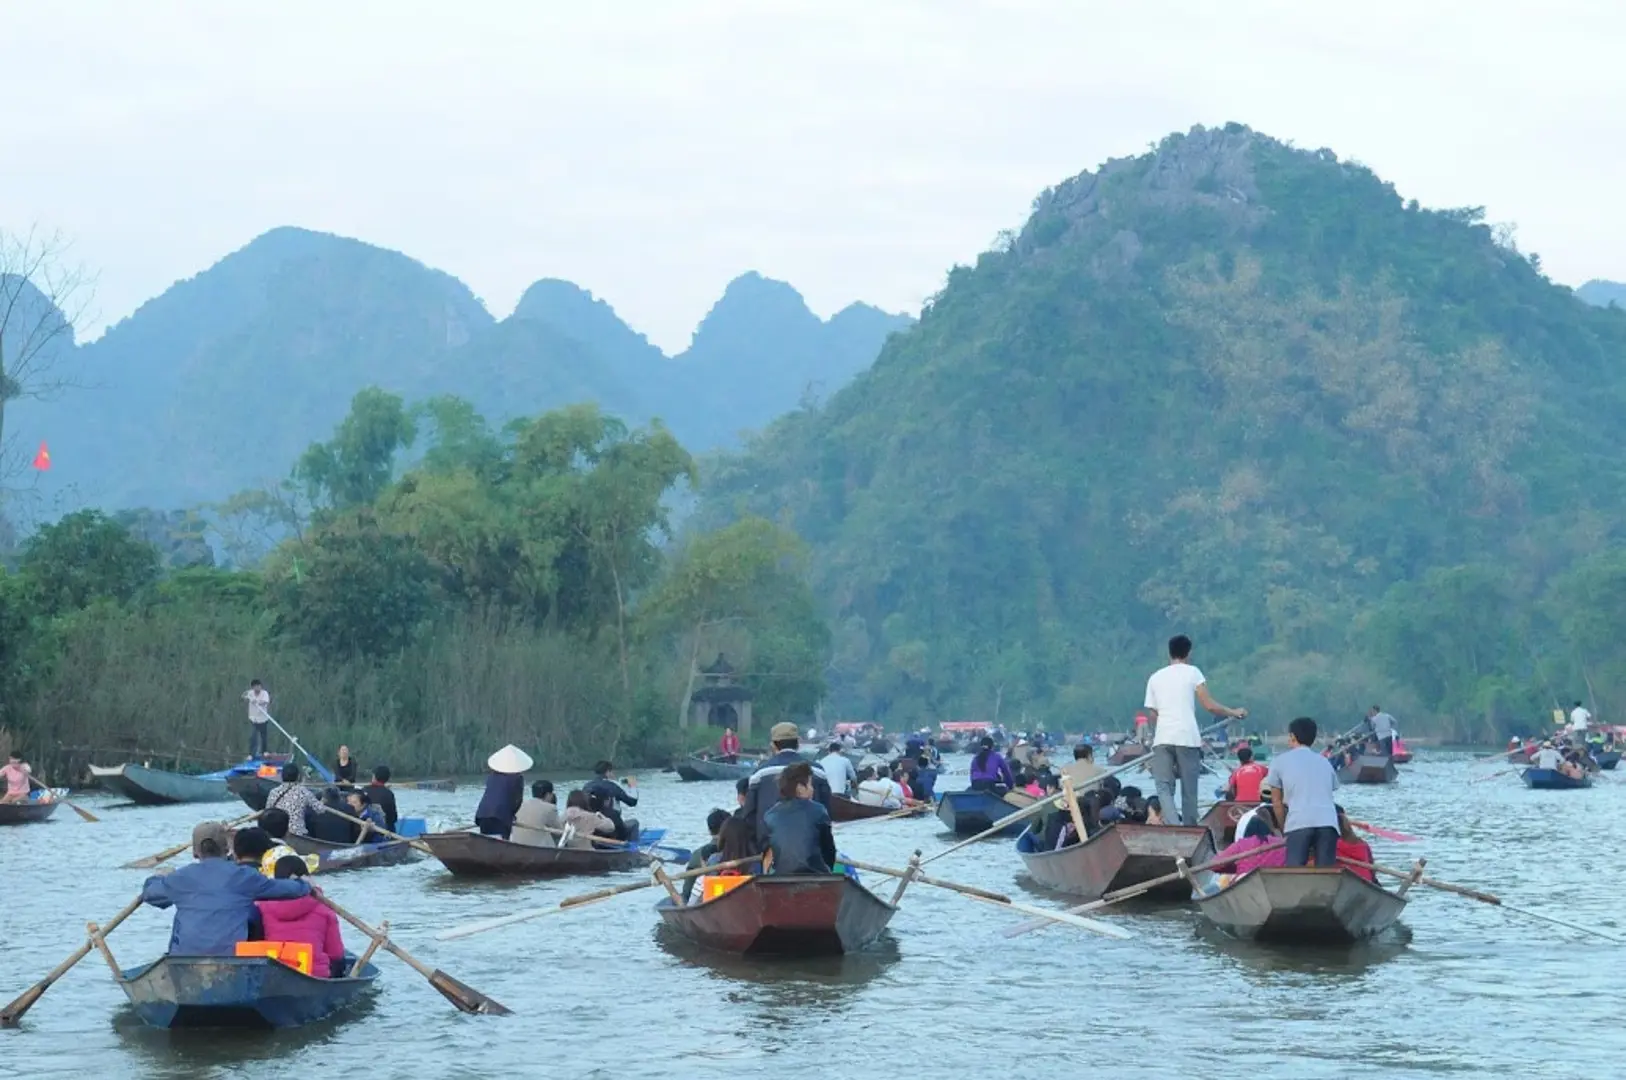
994, 768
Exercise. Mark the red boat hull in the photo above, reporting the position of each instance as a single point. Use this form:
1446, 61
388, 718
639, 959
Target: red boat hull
789, 915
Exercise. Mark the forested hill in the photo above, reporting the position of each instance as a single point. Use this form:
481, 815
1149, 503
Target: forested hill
1353, 446
216, 384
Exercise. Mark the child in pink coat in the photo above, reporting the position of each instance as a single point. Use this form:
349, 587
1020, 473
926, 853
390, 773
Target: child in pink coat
304, 919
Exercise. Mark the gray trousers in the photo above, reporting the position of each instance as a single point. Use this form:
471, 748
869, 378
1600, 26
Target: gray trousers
1186, 763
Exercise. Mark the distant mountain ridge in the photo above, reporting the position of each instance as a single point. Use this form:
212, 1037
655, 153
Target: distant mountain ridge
223, 379
1600, 293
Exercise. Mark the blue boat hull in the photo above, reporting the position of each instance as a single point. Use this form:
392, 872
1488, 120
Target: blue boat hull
1553, 780
157, 787
236, 992
966, 813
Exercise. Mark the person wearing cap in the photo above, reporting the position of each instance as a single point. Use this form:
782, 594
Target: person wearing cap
214, 896
1547, 757
763, 790
505, 791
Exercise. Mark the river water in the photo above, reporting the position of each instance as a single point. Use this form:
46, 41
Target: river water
1464, 989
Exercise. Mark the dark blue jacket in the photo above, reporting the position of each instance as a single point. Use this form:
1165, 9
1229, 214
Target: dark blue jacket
764, 792
504, 792
214, 901
799, 837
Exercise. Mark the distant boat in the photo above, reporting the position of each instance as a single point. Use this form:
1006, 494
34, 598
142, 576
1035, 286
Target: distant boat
160, 787
1553, 780
30, 811
236, 992
966, 813
1222, 817
1607, 759
697, 768
1369, 769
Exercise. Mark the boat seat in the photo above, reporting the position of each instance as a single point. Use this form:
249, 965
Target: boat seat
296, 954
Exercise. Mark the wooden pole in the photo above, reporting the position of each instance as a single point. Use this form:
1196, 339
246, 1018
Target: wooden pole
372, 947
909, 875
81, 811
98, 939
1412, 878
11, 1014
465, 997
671, 890
987, 897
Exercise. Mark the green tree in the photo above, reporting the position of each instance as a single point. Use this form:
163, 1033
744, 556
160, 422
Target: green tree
354, 467
84, 558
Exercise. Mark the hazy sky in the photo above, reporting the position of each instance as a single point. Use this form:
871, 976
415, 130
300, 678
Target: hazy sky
651, 151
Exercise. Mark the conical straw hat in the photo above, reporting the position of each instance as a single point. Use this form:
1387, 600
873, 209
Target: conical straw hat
510, 759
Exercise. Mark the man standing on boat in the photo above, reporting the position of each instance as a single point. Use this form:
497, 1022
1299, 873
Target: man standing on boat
1172, 694
1580, 720
259, 711
1383, 729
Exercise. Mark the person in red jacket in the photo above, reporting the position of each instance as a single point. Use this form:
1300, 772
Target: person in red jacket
305, 919
1350, 846
1244, 783
729, 747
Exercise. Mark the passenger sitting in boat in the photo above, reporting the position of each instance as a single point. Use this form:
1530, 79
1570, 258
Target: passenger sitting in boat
537, 823
1090, 806
1029, 783
1571, 766
330, 828
799, 837
736, 840
838, 770
990, 771
742, 788
274, 822
900, 777
18, 777
874, 790
1301, 785
1133, 804
1351, 846
344, 769
304, 919
763, 789
361, 806
702, 854
214, 896
1083, 768
925, 779
505, 791
605, 795
1547, 757
1260, 833
1154, 811
382, 796
582, 822
294, 798
1244, 783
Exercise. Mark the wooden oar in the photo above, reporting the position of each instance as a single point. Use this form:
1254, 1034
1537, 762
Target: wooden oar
1021, 815
1000, 899
1482, 897
379, 829
1498, 757
1387, 834
572, 902
1129, 892
1493, 776
906, 811
81, 811
465, 997
11, 1014
169, 853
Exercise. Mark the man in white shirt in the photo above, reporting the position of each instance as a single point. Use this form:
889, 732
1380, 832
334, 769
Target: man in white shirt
1172, 694
1547, 757
259, 706
880, 791
838, 769
1580, 720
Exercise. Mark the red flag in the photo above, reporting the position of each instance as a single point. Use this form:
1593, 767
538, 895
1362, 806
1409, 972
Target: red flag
42, 460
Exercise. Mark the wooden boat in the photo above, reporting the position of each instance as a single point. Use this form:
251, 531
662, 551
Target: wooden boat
1302, 905
254, 790
1607, 759
29, 812
1369, 769
792, 915
469, 854
844, 809
694, 768
1221, 819
1119, 856
159, 787
1401, 755
337, 857
1553, 780
236, 992
967, 813
1126, 753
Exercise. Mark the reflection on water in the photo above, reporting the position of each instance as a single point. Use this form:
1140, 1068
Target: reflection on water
607, 991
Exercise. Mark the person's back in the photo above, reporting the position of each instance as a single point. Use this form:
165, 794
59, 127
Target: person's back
1303, 782
875, 791
925, 780
1082, 769
1248, 778
838, 771
383, 796
306, 919
762, 790
533, 822
1547, 758
799, 835
214, 897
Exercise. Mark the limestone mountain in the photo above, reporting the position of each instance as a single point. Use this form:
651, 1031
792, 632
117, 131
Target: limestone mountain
1603, 293
1229, 388
223, 380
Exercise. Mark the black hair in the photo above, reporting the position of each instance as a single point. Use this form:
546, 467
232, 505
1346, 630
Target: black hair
255, 682
275, 822
835, 748
1179, 647
982, 755
1155, 803
1244, 755
736, 840
742, 785
1303, 729
603, 768
361, 793
923, 762
291, 866
1111, 787
715, 819
16, 755
1259, 826
1083, 752
208, 848
381, 773
542, 789
793, 777
251, 843
290, 773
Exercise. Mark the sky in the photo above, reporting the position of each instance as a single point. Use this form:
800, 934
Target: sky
652, 151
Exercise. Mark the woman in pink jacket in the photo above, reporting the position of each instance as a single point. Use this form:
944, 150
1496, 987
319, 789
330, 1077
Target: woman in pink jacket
305, 919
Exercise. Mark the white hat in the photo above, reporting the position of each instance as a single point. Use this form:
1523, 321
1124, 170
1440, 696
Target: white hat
510, 759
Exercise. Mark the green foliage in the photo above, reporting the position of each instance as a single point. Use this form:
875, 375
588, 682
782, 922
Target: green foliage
353, 467
84, 558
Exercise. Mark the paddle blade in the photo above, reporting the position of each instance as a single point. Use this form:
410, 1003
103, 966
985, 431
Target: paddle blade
1388, 834
465, 997
12, 1014
1095, 926
83, 813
